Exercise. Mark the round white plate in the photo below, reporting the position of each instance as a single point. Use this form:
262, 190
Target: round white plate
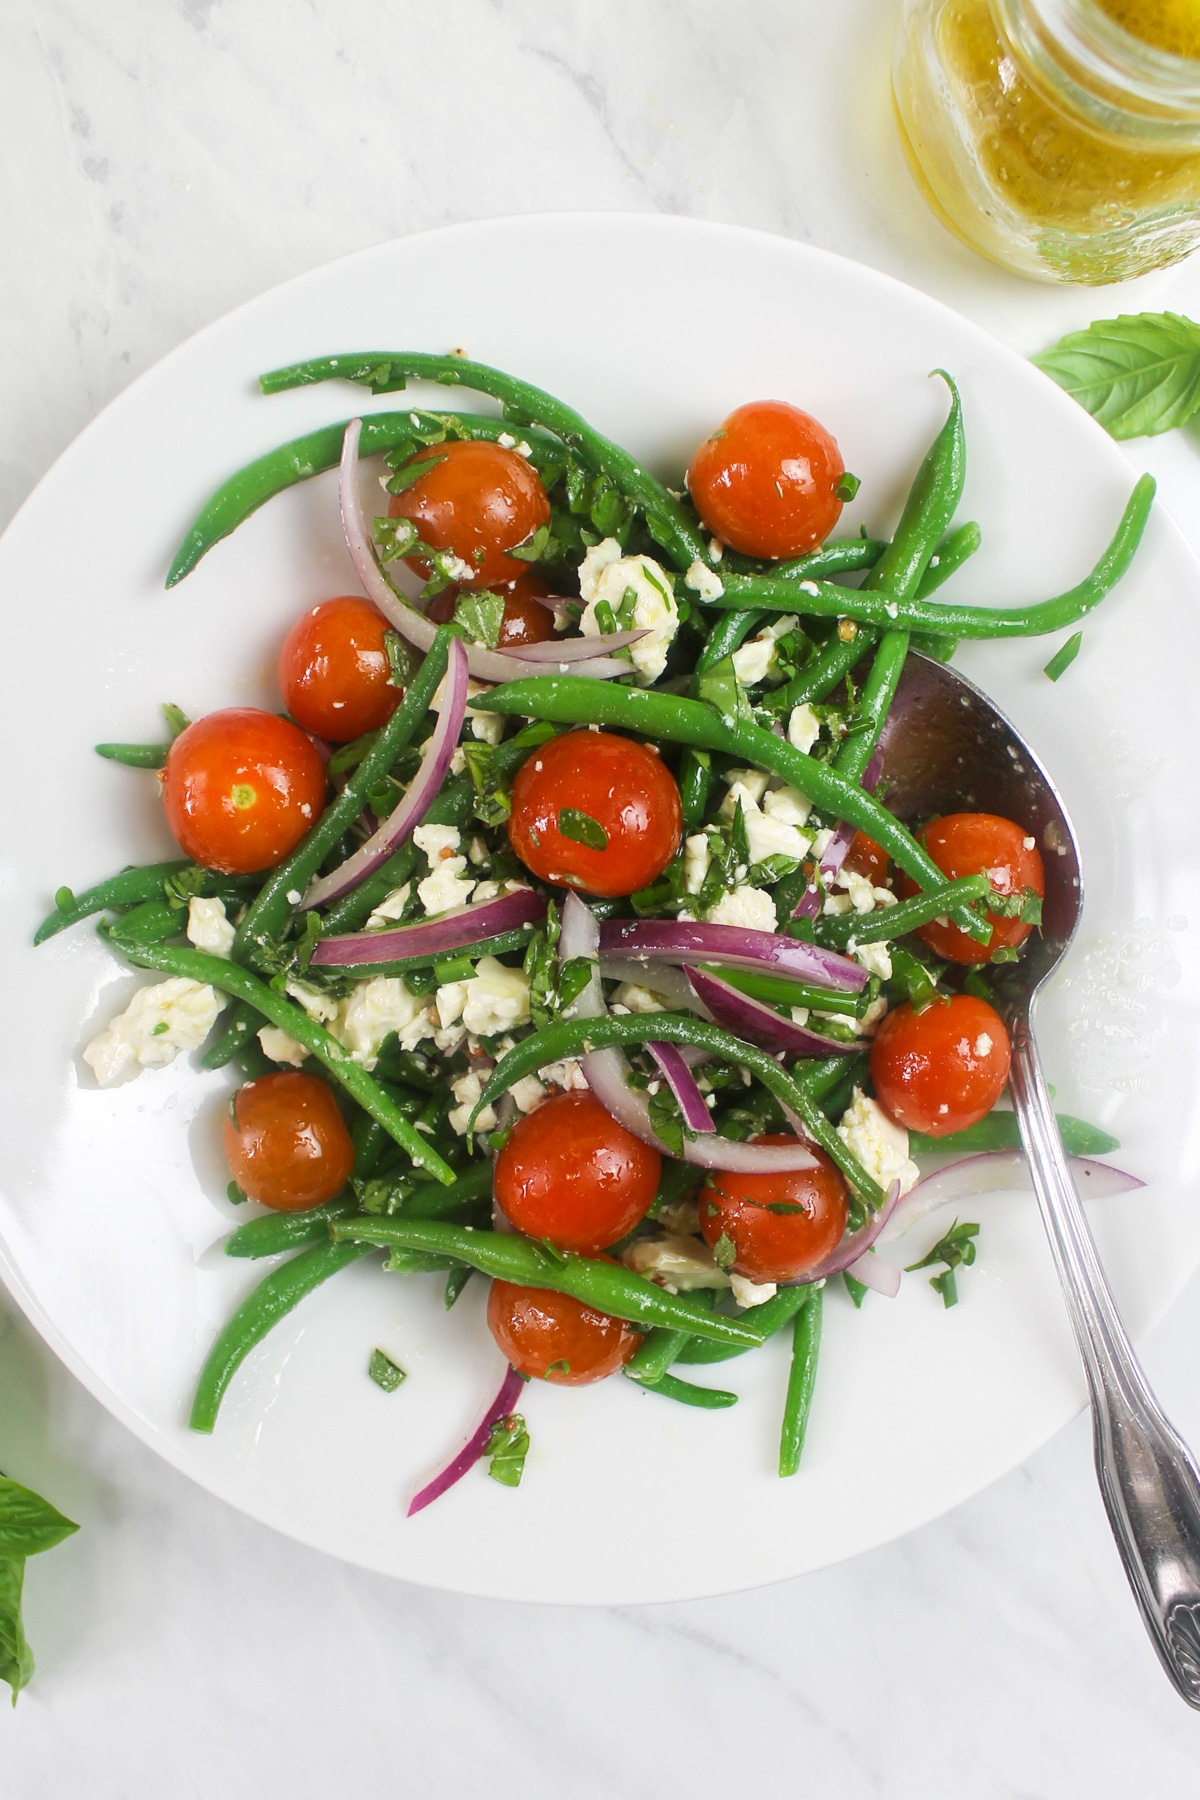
113, 1210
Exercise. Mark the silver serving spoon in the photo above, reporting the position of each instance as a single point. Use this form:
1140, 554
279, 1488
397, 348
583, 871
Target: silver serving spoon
948, 749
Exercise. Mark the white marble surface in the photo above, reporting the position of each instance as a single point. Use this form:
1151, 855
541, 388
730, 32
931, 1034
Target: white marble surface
161, 163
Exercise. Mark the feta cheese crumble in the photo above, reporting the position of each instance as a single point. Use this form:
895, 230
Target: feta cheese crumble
377, 1008
804, 728
748, 906
496, 999
207, 926
159, 1023
702, 581
605, 574
280, 1047
675, 1263
466, 1090
880, 1145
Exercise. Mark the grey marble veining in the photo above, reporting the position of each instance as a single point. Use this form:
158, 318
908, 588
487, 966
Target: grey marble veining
158, 165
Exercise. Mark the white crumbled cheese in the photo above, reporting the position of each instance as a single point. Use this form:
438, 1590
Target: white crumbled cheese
635, 999
458, 761
751, 1293
751, 781
374, 1010
477, 852
752, 661
443, 889
567, 1074
390, 908
497, 998
485, 890
1029, 843
859, 887
836, 905
294, 896
280, 1047
604, 574
455, 567
800, 1015
450, 1038
864, 1027
681, 1218
466, 1090
804, 728
702, 581
876, 959
437, 841
528, 1093
487, 727
716, 548
317, 1003
159, 1023
983, 1044
207, 926
696, 858
880, 1145
507, 441
766, 834
449, 1000
788, 804
675, 1263
747, 906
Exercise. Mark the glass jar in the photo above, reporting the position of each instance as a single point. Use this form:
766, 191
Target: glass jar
1050, 136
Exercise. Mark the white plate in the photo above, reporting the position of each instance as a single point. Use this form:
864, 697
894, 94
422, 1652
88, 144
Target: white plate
113, 1204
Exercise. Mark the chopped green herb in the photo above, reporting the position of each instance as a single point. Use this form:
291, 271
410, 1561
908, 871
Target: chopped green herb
848, 486
456, 1281
402, 664
1062, 659
384, 1372
724, 1252
856, 1289
234, 1195
581, 828
478, 618
955, 1249
508, 1447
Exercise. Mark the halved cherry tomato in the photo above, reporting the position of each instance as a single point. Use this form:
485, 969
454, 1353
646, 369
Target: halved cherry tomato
617, 785
333, 670
780, 1226
241, 788
478, 500
571, 1174
765, 482
287, 1143
556, 1337
525, 621
941, 1069
866, 857
967, 844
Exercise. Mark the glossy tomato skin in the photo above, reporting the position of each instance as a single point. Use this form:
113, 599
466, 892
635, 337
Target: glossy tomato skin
571, 1174
333, 670
241, 788
966, 844
525, 621
867, 858
772, 1246
287, 1143
539, 1331
765, 481
479, 501
942, 1069
624, 786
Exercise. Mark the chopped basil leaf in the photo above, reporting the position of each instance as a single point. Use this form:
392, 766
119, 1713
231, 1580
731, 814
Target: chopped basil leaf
955, 1249
508, 1445
384, 1372
724, 1251
581, 828
479, 617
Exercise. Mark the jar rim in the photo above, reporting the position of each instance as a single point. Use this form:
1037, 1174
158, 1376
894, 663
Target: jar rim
1118, 80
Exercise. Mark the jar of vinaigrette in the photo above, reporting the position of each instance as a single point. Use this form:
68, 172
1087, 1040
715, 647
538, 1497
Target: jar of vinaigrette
1060, 137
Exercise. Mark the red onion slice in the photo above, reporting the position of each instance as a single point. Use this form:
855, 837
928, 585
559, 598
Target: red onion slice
682, 1083
877, 1273
755, 1020
419, 796
851, 1248
484, 665
571, 650
457, 929
475, 1446
687, 941
838, 847
989, 1170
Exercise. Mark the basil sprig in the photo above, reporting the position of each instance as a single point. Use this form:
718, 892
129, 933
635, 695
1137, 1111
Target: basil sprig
1138, 374
28, 1525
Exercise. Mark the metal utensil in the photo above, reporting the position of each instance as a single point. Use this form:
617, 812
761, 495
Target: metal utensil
949, 749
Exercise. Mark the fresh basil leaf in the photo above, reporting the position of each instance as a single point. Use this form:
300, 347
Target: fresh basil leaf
665, 1117
541, 547
28, 1524
1138, 374
722, 689
410, 472
479, 617
492, 802
724, 1251
402, 664
508, 1445
16, 1658
581, 828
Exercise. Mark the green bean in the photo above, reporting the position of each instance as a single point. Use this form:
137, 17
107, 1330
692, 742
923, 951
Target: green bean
728, 631
695, 780
231, 978
575, 1037
388, 371
456, 1281
149, 923
927, 512
781, 990
267, 916
806, 1344
259, 481
507, 1257
949, 556
905, 916
770, 1317
264, 1306
1032, 620
655, 1354
689, 1392
135, 756
569, 700
1000, 1131
822, 672
370, 1141
132, 886
239, 1030
276, 1232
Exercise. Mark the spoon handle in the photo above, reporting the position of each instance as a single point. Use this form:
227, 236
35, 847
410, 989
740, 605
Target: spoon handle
1147, 1475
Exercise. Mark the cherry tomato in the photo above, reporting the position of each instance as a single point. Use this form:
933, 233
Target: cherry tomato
287, 1143
619, 785
333, 670
241, 788
479, 501
765, 482
942, 1069
966, 844
525, 621
866, 857
570, 1173
556, 1337
776, 1246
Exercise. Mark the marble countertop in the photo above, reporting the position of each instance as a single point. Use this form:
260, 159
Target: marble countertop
163, 162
